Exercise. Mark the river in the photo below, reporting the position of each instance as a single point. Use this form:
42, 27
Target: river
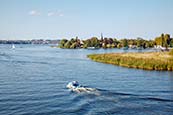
33, 81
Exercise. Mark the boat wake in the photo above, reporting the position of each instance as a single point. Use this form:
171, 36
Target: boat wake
111, 102
76, 87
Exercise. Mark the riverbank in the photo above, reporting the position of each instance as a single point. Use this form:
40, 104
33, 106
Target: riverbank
147, 60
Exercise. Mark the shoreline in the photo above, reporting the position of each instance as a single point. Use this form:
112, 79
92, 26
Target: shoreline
160, 61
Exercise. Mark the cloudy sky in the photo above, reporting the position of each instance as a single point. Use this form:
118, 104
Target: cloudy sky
33, 19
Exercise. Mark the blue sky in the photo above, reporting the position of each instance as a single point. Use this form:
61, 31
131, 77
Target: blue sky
33, 19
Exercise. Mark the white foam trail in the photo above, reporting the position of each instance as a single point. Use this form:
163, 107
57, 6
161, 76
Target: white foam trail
74, 86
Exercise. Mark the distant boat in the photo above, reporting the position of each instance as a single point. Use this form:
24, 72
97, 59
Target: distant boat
159, 47
13, 47
91, 48
164, 49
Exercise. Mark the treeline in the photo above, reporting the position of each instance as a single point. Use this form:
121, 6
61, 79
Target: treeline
34, 41
15, 42
163, 40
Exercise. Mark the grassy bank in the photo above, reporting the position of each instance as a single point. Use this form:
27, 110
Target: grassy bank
148, 60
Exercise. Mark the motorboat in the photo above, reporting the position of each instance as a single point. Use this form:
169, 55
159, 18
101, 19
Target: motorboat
76, 87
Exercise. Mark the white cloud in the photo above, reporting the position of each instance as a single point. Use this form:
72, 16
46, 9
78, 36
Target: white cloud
34, 13
55, 13
49, 14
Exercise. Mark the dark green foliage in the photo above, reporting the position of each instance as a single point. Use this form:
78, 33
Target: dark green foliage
73, 46
171, 43
67, 44
94, 42
139, 42
62, 43
124, 43
164, 40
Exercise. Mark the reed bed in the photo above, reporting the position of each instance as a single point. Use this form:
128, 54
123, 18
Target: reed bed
148, 61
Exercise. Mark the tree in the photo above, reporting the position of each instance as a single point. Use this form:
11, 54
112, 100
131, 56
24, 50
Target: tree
87, 43
131, 42
124, 43
115, 43
72, 40
167, 40
171, 42
140, 42
147, 44
151, 43
95, 42
119, 45
158, 41
67, 44
62, 43
73, 46
162, 40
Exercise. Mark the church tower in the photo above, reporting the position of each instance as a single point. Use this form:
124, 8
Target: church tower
101, 37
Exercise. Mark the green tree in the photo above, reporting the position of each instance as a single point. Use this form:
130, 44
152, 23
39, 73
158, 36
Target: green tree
67, 44
72, 40
62, 43
171, 42
162, 40
158, 41
87, 43
124, 42
74, 45
119, 45
131, 42
139, 42
95, 42
115, 43
167, 40
151, 43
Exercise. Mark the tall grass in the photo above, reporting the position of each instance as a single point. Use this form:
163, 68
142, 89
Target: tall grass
171, 52
150, 63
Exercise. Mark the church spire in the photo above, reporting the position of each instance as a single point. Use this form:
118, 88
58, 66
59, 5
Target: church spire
101, 36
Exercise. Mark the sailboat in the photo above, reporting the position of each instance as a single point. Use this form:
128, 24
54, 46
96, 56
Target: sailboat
13, 47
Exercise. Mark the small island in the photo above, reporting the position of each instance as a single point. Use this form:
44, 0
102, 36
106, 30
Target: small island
145, 60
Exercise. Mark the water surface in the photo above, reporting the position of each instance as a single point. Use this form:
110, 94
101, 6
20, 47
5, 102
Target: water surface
33, 80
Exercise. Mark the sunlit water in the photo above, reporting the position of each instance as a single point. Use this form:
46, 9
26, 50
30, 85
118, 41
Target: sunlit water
33, 81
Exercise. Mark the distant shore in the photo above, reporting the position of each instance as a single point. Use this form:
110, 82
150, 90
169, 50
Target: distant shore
33, 41
148, 60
